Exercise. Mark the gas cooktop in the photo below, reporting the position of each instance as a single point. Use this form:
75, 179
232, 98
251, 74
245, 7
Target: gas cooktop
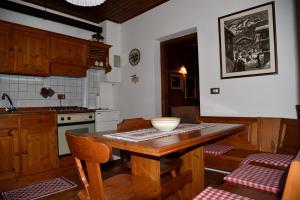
70, 109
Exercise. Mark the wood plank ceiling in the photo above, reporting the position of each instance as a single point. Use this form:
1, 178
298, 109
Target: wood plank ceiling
117, 11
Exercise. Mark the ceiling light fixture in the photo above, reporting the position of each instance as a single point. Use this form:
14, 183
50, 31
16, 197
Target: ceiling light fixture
87, 3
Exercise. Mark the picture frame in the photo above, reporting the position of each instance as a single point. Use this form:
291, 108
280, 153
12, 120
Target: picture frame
248, 42
176, 82
190, 87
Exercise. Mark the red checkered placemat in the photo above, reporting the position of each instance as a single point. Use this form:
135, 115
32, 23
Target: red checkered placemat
216, 149
39, 190
281, 160
262, 178
210, 193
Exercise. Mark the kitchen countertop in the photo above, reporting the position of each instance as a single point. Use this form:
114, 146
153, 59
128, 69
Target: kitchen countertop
32, 110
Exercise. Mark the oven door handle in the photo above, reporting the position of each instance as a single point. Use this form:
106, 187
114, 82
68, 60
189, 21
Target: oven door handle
76, 123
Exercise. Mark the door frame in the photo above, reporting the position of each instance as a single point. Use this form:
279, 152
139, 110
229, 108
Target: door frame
164, 71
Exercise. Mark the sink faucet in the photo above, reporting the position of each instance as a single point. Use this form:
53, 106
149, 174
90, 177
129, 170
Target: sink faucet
11, 108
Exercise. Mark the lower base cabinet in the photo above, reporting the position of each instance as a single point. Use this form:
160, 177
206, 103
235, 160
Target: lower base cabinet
9, 147
28, 144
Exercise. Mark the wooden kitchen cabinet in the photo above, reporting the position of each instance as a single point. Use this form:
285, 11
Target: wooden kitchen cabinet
38, 143
68, 56
68, 50
6, 51
9, 147
31, 50
98, 56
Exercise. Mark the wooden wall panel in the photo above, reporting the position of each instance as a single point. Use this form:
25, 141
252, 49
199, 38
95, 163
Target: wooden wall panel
268, 134
246, 139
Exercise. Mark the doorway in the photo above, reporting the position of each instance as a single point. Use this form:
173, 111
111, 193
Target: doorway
180, 90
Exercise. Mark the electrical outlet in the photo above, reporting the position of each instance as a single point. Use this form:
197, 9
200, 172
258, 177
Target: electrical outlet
214, 90
61, 96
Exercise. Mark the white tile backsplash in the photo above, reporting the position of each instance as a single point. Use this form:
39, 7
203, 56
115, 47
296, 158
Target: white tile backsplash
25, 90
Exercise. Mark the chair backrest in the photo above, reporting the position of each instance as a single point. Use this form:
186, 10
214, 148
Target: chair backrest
133, 124
289, 136
92, 152
291, 189
186, 113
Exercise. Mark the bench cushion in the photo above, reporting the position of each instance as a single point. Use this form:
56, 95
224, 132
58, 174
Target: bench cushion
211, 193
217, 150
262, 178
280, 160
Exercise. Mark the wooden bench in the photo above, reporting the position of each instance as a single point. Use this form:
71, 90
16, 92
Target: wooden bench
277, 135
291, 191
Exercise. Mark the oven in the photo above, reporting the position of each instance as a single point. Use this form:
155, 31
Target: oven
76, 123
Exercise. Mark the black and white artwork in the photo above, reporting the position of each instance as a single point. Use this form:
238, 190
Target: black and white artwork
248, 42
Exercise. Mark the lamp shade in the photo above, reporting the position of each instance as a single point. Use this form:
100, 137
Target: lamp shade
86, 2
183, 70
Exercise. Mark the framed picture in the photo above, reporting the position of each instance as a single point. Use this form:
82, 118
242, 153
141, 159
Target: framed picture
176, 82
248, 42
190, 87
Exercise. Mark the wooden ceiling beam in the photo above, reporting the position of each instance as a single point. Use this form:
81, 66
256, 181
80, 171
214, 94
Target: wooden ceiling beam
48, 16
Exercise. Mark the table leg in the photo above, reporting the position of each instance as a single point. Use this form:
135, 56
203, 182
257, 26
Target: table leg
193, 160
145, 166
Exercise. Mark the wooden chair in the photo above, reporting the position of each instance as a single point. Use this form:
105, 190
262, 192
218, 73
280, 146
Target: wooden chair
118, 187
291, 191
168, 164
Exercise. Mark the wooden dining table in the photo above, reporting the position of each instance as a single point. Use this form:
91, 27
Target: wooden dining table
146, 155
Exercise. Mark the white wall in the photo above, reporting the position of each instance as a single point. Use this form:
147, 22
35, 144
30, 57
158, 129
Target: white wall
272, 95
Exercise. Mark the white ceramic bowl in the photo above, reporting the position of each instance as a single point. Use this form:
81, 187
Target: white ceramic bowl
165, 123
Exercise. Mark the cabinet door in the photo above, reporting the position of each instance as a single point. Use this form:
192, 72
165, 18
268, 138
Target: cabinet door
69, 51
9, 148
31, 52
38, 143
6, 52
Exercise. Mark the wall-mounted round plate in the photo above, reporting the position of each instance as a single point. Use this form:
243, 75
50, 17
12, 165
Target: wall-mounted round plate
134, 57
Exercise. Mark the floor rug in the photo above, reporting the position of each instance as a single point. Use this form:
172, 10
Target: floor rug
39, 190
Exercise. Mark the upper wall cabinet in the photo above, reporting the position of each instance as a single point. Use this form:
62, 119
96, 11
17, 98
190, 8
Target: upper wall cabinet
31, 52
68, 56
68, 51
6, 52
98, 56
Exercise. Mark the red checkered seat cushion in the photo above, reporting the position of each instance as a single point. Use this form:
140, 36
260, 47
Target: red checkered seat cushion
216, 149
215, 194
280, 160
262, 178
